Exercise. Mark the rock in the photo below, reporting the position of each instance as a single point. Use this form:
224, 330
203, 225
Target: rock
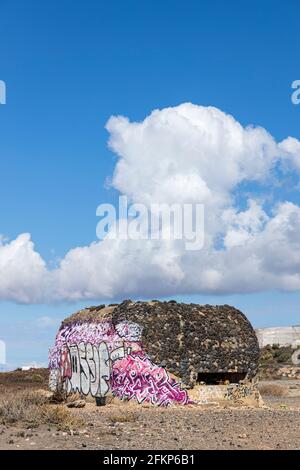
76, 404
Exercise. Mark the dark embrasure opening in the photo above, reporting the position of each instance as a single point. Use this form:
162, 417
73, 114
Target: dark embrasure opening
220, 378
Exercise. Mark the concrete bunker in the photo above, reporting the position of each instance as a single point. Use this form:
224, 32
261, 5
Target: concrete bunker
156, 352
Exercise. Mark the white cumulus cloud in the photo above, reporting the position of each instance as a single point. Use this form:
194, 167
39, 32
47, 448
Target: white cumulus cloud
182, 154
23, 272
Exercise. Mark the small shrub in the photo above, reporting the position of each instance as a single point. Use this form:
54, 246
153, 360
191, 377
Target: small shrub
275, 355
36, 378
33, 409
20, 407
60, 417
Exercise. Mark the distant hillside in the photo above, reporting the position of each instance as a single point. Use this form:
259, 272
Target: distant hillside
281, 335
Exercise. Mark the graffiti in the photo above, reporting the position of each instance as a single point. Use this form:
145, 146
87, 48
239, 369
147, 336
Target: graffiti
100, 352
129, 330
118, 353
54, 380
208, 394
66, 368
136, 377
92, 333
98, 358
85, 369
238, 393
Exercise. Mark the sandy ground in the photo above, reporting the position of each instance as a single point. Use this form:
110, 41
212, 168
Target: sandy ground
129, 426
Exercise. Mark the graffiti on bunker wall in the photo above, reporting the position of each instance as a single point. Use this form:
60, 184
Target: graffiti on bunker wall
100, 358
137, 377
86, 368
54, 379
129, 330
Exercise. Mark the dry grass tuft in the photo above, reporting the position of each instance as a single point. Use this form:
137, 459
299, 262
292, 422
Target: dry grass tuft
33, 409
272, 390
20, 407
59, 416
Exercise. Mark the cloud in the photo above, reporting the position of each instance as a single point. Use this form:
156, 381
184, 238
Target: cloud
290, 149
182, 154
23, 273
243, 226
193, 152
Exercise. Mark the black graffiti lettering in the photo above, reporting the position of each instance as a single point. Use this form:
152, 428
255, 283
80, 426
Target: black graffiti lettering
90, 367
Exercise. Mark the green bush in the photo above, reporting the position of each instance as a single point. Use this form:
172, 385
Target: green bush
276, 355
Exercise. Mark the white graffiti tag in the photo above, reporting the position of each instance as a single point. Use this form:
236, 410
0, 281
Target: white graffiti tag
85, 368
129, 330
90, 369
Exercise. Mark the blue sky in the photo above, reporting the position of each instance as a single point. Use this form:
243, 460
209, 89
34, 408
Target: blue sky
69, 66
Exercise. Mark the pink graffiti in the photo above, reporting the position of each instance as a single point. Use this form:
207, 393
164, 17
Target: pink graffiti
65, 364
89, 332
136, 377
